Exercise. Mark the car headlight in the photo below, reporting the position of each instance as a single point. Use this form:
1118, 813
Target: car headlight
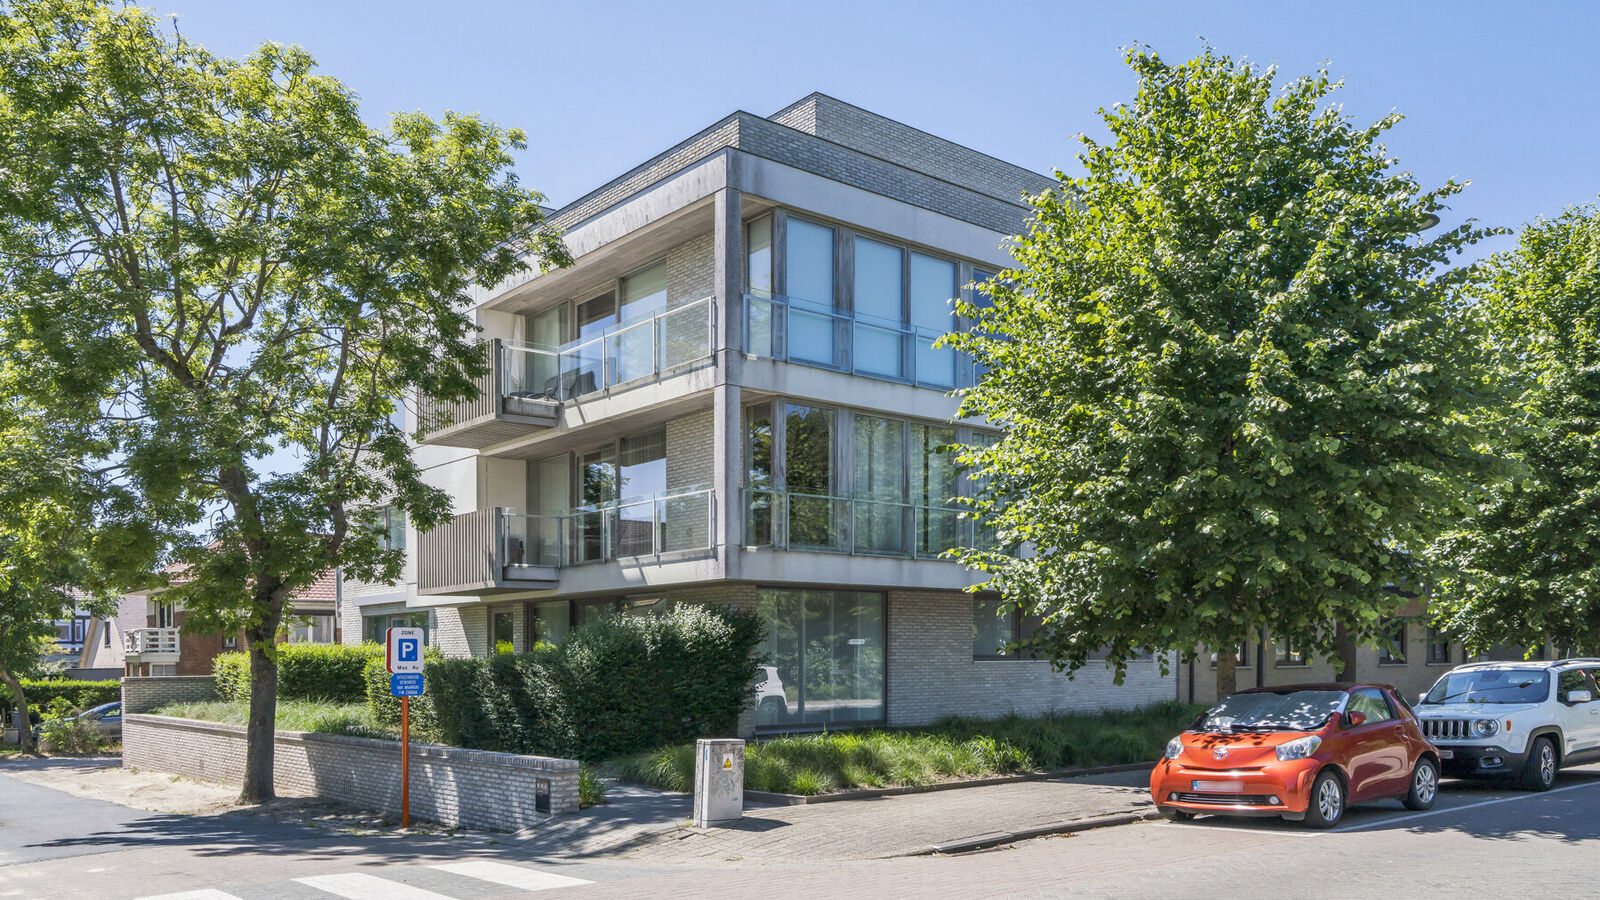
1485, 728
1300, 748
1174, 749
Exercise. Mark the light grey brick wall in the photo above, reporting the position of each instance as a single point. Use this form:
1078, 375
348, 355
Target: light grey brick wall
932, 673
454, 629
474, 788
689, 451
475, 620
690, 270
350, 626
144, 693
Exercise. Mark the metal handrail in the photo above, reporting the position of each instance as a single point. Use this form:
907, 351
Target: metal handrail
572, 533
596, 363
771, 339
844, 521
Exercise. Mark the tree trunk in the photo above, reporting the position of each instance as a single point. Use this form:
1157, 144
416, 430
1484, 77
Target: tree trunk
25, 733
1345, 646
1227, 673
261, 736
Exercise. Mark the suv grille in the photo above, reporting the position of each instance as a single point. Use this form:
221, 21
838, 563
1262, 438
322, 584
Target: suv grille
1447, 729
1225, 799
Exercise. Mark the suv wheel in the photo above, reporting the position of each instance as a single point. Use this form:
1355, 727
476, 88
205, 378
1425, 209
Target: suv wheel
1327, 801
1539, 772
1424, 785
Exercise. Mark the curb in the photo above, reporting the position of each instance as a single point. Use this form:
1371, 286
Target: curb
998, 838
775, 799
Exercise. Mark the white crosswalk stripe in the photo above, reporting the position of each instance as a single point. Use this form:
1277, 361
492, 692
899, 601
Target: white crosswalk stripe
206, 894
510, 876
357, 886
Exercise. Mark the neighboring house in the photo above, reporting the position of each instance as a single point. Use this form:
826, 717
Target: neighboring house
733, 397
153, 641
1411, 660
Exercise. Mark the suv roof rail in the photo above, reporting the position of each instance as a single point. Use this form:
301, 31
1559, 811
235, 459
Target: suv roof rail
1575, 659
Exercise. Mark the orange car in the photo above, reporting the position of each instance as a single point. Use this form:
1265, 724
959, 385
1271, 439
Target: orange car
1302, 752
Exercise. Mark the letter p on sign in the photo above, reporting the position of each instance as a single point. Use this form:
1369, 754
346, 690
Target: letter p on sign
405, 650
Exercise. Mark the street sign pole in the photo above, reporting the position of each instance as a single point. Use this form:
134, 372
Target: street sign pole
405, 762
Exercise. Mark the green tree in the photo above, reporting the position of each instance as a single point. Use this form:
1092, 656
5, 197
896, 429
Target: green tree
1229, 373
1524, 566
246, 279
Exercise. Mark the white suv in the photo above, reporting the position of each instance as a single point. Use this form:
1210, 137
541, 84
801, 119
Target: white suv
1523, 720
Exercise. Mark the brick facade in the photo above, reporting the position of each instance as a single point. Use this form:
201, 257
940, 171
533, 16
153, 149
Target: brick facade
142, 694
932, 673
474, 788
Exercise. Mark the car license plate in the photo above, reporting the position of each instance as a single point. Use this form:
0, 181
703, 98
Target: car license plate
1217, 787
1447, 754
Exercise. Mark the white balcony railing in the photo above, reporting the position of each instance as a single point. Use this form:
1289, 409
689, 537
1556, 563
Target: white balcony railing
150, 641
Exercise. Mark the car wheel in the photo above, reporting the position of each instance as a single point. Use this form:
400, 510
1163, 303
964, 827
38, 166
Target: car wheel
1424, 785
1539, 772
771, 710
1174, 815
1327, 801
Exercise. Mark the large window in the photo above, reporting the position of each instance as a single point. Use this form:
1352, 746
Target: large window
808, 271
879, 473
1392, 644
502, 626
1438, 647
879, 285
995, 626
549, 622
643, 475
935, 482
632, 346
809, 476
933, 286
373, 627
391, 525
823, 658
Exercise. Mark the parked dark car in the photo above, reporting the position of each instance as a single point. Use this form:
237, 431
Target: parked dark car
106, 719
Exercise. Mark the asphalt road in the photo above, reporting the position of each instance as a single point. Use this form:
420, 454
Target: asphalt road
1480, 841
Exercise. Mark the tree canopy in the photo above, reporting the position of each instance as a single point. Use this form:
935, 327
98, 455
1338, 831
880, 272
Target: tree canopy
1524, 566
1230, 372
243, 278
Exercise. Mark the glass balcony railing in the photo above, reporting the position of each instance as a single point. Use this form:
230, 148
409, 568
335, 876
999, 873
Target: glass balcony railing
630, 351
673, 522
856, 525
800, 331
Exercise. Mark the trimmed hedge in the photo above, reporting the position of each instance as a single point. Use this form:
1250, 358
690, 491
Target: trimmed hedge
42, 691
332, 672
618, 685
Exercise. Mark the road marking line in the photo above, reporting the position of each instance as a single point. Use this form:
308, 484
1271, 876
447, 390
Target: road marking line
357, 886
510, 876
207, 894
1435, 812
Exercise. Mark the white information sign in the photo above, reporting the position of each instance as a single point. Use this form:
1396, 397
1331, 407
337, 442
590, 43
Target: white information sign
405, 650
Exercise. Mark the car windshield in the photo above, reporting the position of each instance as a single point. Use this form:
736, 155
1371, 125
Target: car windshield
1491, 686
1272, 711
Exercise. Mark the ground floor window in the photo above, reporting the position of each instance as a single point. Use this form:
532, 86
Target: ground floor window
995, 626
1438, 647
1392, 644
373, 627
823, 658
501, 624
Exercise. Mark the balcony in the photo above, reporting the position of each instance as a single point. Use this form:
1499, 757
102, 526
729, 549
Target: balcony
150, 645
497, 551
527, 384
799, 331
795, 521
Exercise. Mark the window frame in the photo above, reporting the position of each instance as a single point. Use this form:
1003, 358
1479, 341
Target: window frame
1284, 654
1398, 634
1018, 625
1437, 637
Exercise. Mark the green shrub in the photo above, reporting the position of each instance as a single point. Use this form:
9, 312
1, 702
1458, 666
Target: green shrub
320, 716
591, 790
79, 695
332, 672
619, 685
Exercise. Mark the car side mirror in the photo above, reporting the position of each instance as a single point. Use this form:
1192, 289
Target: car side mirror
1579, 696
1355, 719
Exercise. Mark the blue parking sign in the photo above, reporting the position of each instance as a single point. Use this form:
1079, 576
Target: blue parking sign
404, 684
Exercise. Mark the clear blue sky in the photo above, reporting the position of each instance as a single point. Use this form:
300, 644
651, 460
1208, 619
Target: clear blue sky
1503, 94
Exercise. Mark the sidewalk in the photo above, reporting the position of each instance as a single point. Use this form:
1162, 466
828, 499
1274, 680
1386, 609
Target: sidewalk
902, 825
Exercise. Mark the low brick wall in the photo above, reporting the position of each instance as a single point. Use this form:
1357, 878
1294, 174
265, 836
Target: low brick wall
146, 692
451, 786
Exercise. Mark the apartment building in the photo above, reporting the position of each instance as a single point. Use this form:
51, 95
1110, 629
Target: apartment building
733, 397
